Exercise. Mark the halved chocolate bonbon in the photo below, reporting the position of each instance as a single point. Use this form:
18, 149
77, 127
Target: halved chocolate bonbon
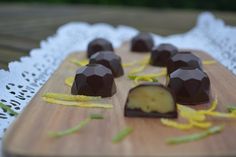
162, 53
150, 100
94, 80
143, 42
183, 59
110, 60
99, 44
191, 86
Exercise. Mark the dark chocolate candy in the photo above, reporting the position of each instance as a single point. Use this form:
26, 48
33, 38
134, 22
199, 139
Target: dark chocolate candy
150, 100
185, 52
161, 54
191, 86
143, 42
110, 60
183, 59
99, 44
94, 80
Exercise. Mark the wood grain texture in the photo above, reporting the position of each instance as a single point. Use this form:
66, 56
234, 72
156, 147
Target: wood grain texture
28, 136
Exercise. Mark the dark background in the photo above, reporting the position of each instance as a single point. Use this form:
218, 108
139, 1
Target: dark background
24, 23
229, 5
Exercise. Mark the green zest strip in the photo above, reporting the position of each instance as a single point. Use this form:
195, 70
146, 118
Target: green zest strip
96, 116
77, 128
67, 97
231, 109
196, 136
122, 134
71, 130
8, 109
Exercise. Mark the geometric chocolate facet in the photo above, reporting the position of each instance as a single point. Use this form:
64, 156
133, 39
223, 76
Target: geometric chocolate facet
143, 42
150, 100
161, 54
94, 80
183, 59
98, 44
110, 60
191, 86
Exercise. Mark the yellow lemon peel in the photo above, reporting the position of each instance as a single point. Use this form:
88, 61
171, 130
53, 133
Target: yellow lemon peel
78, 104
69, 81
211, 112
220, 114
202, 125
212, 108
177, 125
209, 62
196, 118
142, 65
139, 78
137, 69
151, 77
80, 62
190, 113
129, 64
67, 97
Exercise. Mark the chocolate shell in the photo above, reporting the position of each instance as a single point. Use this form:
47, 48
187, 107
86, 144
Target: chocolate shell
94, 80
191, 86
99, 44
143, 42
150, 100
110, 60
183, 59
161, 54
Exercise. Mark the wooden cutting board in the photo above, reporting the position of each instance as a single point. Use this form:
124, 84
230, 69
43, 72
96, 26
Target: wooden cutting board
28, 136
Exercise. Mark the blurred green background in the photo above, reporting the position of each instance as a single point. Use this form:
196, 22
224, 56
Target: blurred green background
229, 5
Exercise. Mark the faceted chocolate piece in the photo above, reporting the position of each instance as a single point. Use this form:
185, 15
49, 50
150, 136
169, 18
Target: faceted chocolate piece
183, 59
191, 86
185, 52
150, 100
143, 42
99, 44
110, 60
161, 54
94, 80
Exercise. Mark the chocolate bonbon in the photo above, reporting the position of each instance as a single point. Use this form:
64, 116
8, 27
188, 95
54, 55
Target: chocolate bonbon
110, 60
191, 86
98, 44
162, 53
150, 100
143, 42
183, 59
94, 80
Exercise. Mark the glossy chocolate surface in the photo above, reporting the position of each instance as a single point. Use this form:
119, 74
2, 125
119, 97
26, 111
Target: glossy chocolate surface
191, 86
161, 54
143, 42
94, 80
98, 44
110, 60
183, 59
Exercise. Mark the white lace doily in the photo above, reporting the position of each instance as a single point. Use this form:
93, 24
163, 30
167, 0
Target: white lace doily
25, 77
